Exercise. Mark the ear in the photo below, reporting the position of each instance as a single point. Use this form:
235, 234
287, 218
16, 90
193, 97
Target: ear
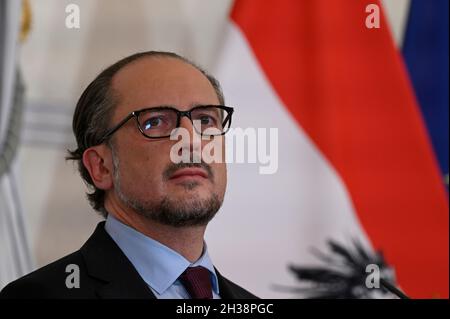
98, 162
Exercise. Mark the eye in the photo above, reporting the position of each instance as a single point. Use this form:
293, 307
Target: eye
152, 123
207, 120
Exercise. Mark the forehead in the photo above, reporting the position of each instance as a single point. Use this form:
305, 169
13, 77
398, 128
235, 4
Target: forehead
155, 81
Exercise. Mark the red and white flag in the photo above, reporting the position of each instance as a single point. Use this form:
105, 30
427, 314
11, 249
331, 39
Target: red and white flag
354, 158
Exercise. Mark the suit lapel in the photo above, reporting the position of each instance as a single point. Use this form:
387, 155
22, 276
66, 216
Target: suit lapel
107, 263
226, 291
125, 289
229, 290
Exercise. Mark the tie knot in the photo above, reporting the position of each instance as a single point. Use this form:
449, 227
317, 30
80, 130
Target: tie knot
197, 282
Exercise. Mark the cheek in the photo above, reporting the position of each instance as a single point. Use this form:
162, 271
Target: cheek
220, 174
142, 171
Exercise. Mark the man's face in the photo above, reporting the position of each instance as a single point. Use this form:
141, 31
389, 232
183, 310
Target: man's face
145, 178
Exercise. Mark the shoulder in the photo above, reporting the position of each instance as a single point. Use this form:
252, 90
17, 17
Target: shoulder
49, 281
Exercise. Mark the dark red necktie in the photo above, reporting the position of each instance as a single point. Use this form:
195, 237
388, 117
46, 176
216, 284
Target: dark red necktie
197, 282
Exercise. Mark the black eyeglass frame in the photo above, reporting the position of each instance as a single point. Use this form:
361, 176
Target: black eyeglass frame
179, 113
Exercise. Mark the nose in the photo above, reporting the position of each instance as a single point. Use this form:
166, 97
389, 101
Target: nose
193, 146
186, 122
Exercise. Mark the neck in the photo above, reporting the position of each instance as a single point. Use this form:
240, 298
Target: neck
187, 241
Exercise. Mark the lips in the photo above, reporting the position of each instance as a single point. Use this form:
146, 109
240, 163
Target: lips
189, 172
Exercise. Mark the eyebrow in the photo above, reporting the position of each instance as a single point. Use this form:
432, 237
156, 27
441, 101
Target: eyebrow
195, 104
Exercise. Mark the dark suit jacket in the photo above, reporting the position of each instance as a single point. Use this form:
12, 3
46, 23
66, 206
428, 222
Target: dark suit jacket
105, 272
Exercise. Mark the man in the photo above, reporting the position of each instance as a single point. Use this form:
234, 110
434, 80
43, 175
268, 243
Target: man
156, 208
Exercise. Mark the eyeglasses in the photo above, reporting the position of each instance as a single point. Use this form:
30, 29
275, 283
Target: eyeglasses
159, 122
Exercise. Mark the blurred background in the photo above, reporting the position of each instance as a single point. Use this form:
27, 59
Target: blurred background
268, 222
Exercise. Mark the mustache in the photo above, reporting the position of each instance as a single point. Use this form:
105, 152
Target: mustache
172, 168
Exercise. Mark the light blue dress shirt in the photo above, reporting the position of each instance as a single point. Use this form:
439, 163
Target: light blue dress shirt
158, 265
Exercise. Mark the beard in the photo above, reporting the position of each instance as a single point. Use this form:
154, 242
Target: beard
176, 212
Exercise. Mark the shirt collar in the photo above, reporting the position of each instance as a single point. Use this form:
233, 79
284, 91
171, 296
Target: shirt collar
156, 263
